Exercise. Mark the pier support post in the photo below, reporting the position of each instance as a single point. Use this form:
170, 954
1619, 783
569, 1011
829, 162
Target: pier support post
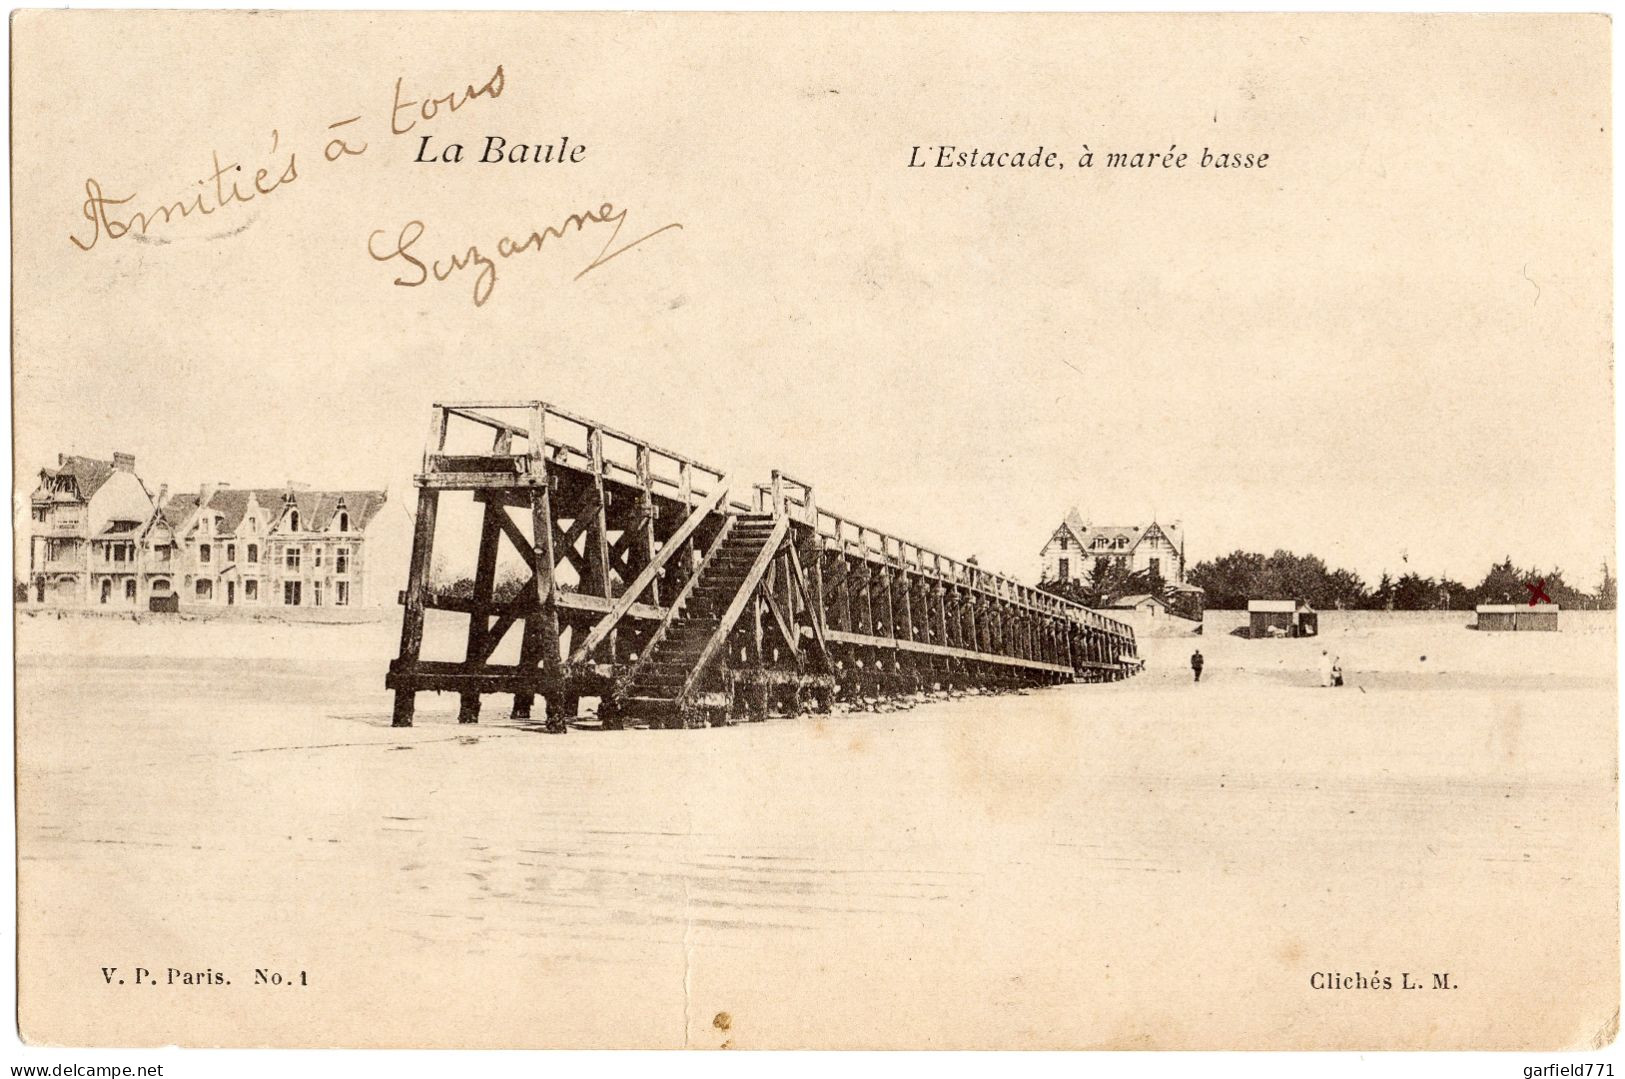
417, 590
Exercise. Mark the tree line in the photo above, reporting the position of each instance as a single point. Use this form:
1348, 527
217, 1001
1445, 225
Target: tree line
1229, 581
1109, 580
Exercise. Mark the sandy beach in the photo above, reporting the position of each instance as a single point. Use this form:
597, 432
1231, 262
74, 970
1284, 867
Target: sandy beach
1144, 864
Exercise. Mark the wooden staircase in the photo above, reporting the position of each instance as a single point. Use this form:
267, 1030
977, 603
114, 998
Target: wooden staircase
664, 683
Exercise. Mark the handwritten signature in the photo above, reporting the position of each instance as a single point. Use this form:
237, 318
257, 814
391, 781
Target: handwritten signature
485, 277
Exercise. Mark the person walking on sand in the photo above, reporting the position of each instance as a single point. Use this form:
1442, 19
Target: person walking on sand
1196, 664
1337, 671
1325, 668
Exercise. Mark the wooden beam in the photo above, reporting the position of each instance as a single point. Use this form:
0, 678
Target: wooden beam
783, 624
485, 572
540, 644
815, 610
522, 543
646, 518
598, 538
417, 595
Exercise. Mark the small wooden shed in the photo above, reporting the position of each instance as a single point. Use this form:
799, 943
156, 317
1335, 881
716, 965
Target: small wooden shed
1148, 605
1281, 618
1511, 617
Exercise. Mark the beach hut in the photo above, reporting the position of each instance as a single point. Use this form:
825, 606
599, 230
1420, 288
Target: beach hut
1281, 618
1512, 617
1150, 606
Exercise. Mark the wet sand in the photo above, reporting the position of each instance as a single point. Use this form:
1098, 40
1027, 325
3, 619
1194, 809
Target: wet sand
1144, 864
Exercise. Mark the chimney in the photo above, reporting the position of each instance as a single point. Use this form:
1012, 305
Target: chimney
61, 459
124, 462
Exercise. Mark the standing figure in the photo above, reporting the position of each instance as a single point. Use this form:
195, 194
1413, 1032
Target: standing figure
1196, 664
1337, 671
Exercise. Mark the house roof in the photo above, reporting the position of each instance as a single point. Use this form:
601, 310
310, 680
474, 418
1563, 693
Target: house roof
362, 506
1175, 536
1084, 535
1278, 605
1070, 527
1135, 601
88, 474
119, 528
316, 508
178, 509
1111, 533
232, 505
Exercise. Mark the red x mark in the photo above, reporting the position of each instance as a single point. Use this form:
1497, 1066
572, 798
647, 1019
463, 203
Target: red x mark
1537, 592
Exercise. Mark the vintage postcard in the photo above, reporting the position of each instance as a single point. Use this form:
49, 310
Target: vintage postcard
825, 530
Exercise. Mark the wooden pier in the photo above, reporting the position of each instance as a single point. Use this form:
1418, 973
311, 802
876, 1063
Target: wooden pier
679, 599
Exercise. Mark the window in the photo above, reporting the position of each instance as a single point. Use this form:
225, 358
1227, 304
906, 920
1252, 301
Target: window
293, 521
129, 591
341, 560
203, 526
341, 598
318, 559
251, 591
290, 593
1063, 541
1066, 569
231, 552
163, 553
253, 525
293, 557
253, 553
344, 522
316, 593
1156, 567
205, 589
203, 552
107, 553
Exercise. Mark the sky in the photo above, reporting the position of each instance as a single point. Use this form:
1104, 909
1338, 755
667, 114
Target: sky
1391, 347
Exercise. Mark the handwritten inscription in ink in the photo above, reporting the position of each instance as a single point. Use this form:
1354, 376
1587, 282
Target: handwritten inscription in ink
239, 179
420, 270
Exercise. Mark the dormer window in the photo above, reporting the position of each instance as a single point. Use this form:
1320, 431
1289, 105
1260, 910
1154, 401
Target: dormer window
344, 521
293, 520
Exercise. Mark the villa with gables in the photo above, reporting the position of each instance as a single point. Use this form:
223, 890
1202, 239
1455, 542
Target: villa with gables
1075, 546
99, 538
